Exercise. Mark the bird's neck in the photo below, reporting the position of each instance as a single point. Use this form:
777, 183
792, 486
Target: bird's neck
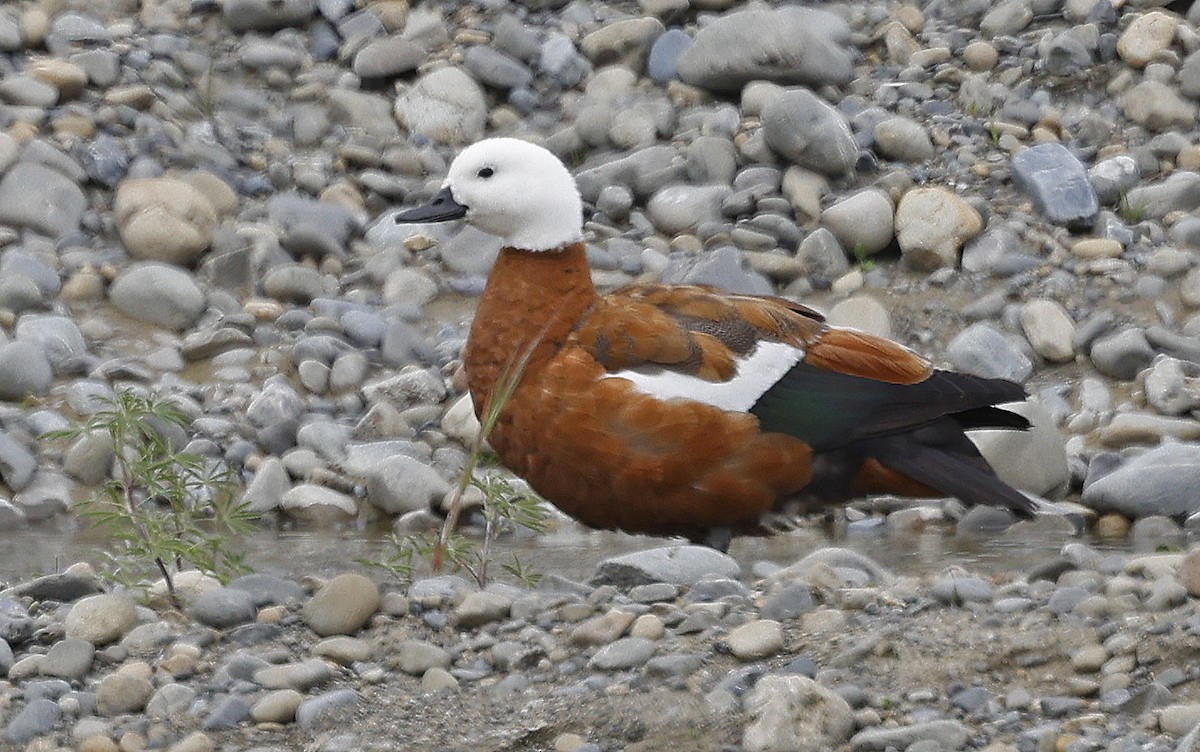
529, 306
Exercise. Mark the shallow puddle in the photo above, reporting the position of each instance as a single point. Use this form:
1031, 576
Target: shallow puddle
570, 552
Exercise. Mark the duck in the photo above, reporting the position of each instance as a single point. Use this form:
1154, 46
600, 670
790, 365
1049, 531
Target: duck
685, 410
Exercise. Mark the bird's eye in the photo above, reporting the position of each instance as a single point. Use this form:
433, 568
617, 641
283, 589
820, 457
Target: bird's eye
486, 173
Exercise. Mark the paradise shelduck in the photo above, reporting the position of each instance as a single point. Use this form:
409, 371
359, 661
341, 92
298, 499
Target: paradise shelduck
686, 410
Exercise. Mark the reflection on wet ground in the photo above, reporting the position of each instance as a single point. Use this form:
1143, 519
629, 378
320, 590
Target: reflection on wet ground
570, 552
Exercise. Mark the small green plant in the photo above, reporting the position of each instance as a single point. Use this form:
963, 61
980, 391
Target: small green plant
503, 505
863, 257
1130, 212
166, 510
994, 131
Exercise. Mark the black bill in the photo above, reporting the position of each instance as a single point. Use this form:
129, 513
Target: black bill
440, 208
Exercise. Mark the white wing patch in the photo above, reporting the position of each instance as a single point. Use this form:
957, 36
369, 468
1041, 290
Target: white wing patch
756, 373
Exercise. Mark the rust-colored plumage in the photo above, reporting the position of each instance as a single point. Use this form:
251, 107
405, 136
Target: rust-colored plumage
613, 457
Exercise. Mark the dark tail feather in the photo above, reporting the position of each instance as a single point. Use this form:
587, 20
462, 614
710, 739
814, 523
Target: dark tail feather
957, 476
990, 417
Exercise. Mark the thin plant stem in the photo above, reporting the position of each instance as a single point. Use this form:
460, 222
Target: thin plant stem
494, 404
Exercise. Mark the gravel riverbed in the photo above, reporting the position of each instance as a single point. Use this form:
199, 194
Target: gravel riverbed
196, 201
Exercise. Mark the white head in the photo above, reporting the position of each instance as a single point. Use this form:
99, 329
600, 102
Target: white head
513, 189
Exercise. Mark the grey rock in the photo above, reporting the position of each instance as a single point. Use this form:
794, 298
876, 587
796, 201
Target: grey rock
268, 486
790, 45
795, 713
40, 198
48, 494
369, 112
226, 713
982, 350
278, 402
971, 699
662, 65
994, 249
78, 28
711, 159
293, 283
955, 591
1159, 481
101, 619
515, 38
862, 222
15, 624
17, 464
949, 734
36, 718
148, 637
932, 226
822, 254
496, 69
267, 15
1180, 191
54, 587
170, 701
299, 676
415, 657
122, 692
58, 336
342, 605
69, 658
1172, 386
624, 654
1112, 178
1065, 54
45, 279
644, 172
19, 293
560, 61
1064, 599
793, 600
852, 568
158, 294
1158, 107
679, 565
1007, 17
445, 105
1123, 354
389, 57
105, 159
1035, 460
313, 708
308, 227
1049, 329
222, 608
804, 129
1058, 184
624, 42
10, 33
721, 267
755, 639
277, 707
480, 608
682, 208
317, 505
412, 386
268, 589
903, 139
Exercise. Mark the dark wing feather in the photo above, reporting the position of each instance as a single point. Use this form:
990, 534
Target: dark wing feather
829, 410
